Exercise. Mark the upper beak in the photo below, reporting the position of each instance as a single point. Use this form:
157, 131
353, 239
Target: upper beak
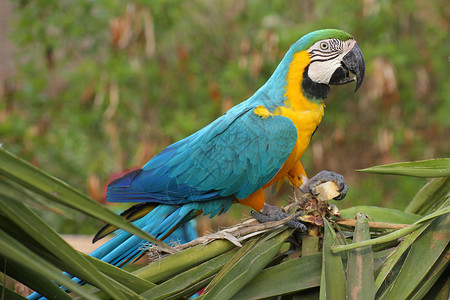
353, 61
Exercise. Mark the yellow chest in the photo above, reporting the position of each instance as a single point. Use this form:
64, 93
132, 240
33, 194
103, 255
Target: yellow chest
306, 122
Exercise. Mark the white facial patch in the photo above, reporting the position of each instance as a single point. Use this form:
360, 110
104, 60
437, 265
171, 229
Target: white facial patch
326, 57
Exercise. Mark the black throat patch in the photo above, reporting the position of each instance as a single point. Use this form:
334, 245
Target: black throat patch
314, 90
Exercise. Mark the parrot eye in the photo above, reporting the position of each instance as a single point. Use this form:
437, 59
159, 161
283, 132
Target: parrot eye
324, 46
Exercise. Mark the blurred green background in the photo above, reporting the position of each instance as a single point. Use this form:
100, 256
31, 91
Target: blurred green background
91, 88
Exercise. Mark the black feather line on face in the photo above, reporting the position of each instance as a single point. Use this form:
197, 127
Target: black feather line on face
313, 90
317, 57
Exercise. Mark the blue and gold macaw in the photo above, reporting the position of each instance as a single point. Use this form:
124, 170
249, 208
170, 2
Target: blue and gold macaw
256, 144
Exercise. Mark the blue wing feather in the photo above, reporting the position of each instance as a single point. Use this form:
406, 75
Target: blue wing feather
235, 155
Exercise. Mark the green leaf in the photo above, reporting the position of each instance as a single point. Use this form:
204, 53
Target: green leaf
128, 279
360, 281
323, 282
310, 245
379, 240
189, 278
32, 279
238, 272
288, 277
134, 283
183, 260
439, 167
124, 291
393, 235
233, 261
445, 209
17, 252
432, 276
15, 191
441, 289
30, 223
380, 257
429, 195
332, 268
428, 247
6, 293
54, 189
380, 214
393, 259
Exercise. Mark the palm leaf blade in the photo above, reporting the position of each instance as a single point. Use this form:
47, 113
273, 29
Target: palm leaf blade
332, 268
288, 277
433, 241
439, 167
249, 263
360, 281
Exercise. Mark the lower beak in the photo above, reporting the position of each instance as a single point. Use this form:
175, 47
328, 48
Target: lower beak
353, 61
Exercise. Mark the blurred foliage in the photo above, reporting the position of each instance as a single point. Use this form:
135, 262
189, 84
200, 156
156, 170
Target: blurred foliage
102, 86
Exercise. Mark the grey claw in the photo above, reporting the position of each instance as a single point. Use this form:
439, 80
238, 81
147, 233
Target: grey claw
258, 216
309, 185
342, 191
273, 213
297, 225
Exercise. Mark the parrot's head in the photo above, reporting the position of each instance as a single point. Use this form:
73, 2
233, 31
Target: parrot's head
326, 57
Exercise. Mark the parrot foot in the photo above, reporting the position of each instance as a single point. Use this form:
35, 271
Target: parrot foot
272, 213
309, 185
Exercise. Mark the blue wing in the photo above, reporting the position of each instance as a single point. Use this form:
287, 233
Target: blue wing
232, 157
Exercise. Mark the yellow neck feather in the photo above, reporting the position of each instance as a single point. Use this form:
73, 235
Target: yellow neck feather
294, 95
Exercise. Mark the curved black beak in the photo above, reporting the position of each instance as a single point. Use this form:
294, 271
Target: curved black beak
353, 61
